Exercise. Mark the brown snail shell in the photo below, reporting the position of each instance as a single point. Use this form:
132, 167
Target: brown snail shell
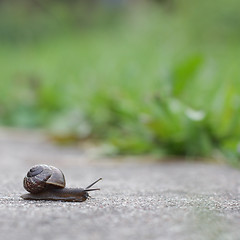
42, 177
48, 183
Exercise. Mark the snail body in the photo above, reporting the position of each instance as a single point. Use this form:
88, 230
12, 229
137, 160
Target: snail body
45, 182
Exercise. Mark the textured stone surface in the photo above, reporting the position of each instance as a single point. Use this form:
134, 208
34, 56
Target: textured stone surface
166, 201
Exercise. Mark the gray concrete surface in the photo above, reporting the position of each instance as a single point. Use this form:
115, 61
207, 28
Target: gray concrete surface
169, 201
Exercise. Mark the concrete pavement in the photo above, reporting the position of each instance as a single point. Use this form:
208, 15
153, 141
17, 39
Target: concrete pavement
169, 201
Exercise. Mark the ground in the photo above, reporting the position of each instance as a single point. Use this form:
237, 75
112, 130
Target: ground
138, 200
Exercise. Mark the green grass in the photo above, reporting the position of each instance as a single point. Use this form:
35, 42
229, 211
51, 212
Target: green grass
145, 79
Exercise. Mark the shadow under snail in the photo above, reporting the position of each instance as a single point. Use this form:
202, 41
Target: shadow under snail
45, 182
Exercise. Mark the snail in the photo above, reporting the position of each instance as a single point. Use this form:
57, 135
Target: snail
45, 182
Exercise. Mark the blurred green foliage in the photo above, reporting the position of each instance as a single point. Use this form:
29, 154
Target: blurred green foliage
150, 77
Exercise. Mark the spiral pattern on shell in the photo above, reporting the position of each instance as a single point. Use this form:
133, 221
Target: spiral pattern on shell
42, 177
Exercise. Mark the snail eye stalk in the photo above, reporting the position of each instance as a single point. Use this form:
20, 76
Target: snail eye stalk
92, 189
93, 184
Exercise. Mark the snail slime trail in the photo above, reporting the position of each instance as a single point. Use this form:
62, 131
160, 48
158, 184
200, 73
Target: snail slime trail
45, 182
